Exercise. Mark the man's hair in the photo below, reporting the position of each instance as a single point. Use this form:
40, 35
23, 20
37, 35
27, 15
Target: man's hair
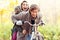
34, 7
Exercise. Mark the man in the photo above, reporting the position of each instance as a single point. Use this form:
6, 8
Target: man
33, 17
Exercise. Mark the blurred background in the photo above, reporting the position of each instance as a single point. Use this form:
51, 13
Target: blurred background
50, 10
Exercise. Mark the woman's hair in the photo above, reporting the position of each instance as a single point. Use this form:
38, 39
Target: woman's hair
18, 9
33, 7
22, 4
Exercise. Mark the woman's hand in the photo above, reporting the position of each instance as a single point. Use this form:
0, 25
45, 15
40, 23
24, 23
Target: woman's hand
24, 32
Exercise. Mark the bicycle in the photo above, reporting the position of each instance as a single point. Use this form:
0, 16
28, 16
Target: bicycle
34, 33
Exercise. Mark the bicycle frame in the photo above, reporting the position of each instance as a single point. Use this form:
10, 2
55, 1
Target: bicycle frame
34, 36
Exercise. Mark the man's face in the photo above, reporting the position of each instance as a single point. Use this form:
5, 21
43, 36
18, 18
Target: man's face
25, 6
34, 13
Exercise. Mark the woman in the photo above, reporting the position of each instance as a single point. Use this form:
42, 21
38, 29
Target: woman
16, 28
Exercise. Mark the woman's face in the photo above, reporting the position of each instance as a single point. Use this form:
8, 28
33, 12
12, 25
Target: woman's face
25, 6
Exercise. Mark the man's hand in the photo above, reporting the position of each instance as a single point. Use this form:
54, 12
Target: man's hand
24, 32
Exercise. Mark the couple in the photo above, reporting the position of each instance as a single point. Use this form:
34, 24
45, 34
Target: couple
23, 31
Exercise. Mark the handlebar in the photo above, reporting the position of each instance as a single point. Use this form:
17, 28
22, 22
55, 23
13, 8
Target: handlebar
31, 24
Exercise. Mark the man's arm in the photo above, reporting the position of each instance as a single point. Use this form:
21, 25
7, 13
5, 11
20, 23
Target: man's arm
41, 23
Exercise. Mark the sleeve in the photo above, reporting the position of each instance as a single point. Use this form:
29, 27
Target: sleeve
14, 20
41, 23
17, 19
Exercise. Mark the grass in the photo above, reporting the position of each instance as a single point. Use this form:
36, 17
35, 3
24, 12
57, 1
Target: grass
50, 32
5, 31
